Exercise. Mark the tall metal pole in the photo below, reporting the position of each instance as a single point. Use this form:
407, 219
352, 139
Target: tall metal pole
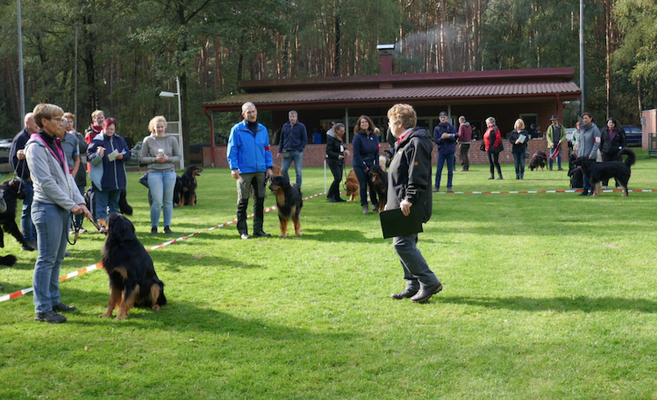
20, 62
581, 52
182, 146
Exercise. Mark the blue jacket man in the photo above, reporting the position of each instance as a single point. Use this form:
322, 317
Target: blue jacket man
294, 139
445, 136
251, 162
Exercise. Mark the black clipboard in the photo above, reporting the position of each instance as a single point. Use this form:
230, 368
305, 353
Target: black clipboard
395, 223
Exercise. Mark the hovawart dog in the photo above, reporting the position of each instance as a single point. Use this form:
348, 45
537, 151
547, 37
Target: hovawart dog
288, 202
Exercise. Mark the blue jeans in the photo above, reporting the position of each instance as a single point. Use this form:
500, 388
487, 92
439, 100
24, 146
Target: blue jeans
161, 184
297, 157
51, 223
27, 226
105, 198
450, 158
552, 150
519, 162
366, 183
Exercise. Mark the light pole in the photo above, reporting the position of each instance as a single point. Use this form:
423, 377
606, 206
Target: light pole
180, 141
20, 61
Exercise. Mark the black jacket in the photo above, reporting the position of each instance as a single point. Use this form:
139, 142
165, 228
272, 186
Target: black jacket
333, 146
19, 166
612, 147
513, 136
410, 173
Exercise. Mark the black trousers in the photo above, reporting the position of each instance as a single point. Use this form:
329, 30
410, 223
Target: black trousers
337, 171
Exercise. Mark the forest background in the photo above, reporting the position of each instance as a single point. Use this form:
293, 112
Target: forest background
129, 51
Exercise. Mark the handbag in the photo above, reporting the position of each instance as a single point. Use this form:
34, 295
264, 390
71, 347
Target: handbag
499, 148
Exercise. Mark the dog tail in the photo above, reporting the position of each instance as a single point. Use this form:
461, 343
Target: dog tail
631, 156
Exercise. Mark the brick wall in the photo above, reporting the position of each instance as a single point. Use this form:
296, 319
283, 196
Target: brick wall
314, 154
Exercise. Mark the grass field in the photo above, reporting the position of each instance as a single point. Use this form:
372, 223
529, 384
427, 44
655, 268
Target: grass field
545, 296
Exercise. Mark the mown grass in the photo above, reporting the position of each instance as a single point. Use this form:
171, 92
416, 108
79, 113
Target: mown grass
546, 296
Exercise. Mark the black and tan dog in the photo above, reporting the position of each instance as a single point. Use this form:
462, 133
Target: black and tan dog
603, 171
187, 195
289, 203
539, 159
12, 190
133, 281
380, 181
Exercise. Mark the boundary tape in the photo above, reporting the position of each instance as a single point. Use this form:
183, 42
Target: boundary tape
99, 265
550, 191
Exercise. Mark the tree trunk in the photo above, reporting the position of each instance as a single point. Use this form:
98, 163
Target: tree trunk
336, 71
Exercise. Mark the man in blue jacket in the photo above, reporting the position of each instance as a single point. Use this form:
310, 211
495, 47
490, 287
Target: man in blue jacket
445, 136
251, 163
18, 163
294, 139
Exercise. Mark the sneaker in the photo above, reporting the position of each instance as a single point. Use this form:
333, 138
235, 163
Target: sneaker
82, 230
61, 307
67, 254
435, 190
168, 230
50, 317
604, 188
449, 190
154, 230
340, 200
366, 209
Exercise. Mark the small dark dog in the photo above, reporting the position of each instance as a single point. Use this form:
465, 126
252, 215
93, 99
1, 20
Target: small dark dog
602, 171
539, 159
380, 180
12, 190
352, 186
289, 202
133, 281
188, 186
575, 174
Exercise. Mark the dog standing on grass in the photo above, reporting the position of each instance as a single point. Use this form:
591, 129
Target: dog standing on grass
289, 203
603, 171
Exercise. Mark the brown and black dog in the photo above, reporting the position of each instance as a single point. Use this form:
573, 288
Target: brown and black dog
289, 203
380, 182
132, 277
187, 195
352, 186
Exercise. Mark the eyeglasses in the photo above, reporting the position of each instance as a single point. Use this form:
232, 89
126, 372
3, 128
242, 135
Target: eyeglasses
60, 120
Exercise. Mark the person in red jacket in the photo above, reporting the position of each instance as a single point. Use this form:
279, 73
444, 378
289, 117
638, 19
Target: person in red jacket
97, 121
493, 143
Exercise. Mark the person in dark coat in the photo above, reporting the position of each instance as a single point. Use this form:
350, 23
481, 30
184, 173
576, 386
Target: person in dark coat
409, 185
612, 140
366, 154
445, 137
336, 153
518, 139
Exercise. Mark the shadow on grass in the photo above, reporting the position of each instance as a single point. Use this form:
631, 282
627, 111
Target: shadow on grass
331, 235
559, 304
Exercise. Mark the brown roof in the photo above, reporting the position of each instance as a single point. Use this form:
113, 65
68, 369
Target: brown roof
415, 95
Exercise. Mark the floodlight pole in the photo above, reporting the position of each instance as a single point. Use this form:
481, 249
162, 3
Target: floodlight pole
21, 78
581, 52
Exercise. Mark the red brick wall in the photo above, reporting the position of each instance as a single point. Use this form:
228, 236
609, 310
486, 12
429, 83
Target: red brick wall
313, 155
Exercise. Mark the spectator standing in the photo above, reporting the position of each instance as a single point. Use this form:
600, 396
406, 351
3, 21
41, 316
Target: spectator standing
409, 183
22, 170
465, 136
55, 198
336, 153
492, 141
317, 135
588, 143
445, 136
518, 139
250, 162
71, 147
366, 155
107, 154
612, 140
556, 141
160, 151
96, 126
294, 139
80, 174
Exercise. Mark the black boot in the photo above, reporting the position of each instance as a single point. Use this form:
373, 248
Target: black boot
585, 192
258, 216
241, 218
491, 177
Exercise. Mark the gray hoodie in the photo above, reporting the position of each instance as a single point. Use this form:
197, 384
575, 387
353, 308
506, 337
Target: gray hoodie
588, 141
52, 185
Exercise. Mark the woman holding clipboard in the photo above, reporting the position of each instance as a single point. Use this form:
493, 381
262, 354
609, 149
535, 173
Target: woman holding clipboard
409, 186
518, 139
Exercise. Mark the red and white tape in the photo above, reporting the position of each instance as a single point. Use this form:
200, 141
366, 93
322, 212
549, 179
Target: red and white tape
159, 246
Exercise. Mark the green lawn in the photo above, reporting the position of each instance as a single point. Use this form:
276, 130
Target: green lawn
545, 296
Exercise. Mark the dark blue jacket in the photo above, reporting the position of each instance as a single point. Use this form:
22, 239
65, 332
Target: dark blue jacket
445, 146
106, 174
366, 150
19, 166
248, 152
293, 137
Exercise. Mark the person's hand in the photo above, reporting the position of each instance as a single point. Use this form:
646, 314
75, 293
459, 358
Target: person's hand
340, 157
269, 174
578, 124
367, 170
20, 154
445, 136
161, 158
278, 155
235, 173
405, 206
119, 156
101, 151
517, 141
346, 153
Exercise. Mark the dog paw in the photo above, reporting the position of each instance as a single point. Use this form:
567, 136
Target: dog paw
156, 307
119, 317
105, 315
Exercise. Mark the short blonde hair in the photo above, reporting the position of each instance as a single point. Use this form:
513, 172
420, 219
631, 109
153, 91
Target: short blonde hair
95, 114
69, 116
154, 121
403, 113
490, 120
46, 111
520, 122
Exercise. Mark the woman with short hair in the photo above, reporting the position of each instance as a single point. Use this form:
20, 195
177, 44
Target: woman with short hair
518, 138
492, 143
160, 151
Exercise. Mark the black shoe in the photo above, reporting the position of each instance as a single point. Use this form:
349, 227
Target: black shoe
168, 231
331, 199
67, 254
340, 200
491, 177
23, 248
244, 236
591, 193
585, 192
2, 287
61, 307
426, 292
404, 295
154, 230
261, 234
50, 317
